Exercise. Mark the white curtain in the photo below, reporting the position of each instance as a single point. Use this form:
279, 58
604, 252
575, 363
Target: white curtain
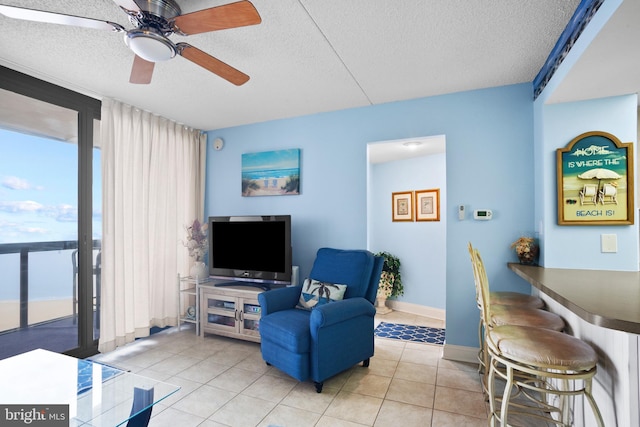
153, 187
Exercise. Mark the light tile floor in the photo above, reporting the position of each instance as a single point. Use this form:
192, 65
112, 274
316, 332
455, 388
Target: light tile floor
225, 382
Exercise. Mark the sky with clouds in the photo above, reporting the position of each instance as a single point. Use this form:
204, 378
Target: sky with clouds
38, 189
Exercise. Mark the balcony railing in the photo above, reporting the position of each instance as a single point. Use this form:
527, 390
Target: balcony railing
24, 250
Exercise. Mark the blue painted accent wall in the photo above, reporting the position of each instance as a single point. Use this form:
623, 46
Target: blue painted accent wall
555, 125
489, 136
420, 246
579, 246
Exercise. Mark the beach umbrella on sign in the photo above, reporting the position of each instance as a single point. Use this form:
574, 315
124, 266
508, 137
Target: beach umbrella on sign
599, 174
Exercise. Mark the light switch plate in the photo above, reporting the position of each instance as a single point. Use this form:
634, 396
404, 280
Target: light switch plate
609, 243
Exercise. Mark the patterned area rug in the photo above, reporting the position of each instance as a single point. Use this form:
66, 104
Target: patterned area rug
422, 334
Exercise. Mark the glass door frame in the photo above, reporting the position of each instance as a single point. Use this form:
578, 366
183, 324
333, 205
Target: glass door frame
88, 110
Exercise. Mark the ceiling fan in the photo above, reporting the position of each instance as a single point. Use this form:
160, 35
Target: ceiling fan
155, 21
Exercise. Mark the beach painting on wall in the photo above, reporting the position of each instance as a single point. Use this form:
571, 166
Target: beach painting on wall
271, 173
595, 181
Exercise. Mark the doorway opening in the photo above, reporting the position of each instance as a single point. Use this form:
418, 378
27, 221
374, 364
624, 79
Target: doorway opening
410, 165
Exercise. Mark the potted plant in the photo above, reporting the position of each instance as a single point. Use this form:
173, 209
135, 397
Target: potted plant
390, 284
526, 249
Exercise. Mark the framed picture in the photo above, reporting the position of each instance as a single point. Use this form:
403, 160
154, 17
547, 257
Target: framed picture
271, 173
428, 205
402, 206
595, 181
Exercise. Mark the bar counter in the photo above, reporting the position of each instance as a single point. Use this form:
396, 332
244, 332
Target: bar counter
610, 299
603, 309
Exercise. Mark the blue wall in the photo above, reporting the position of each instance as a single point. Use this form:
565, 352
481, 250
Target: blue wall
555, 125
420, 246
489, 136
579, 246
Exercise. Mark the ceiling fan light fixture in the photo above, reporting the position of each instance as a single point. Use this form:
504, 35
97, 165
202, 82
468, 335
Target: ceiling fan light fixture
150, 45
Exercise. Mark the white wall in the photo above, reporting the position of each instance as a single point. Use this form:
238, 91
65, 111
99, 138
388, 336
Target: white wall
420, 246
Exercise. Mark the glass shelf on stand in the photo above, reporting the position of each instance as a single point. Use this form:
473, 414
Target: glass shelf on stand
189, 300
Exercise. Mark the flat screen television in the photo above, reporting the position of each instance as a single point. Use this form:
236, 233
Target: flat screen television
250, 250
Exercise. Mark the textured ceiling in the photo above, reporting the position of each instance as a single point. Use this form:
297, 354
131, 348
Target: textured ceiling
307, 56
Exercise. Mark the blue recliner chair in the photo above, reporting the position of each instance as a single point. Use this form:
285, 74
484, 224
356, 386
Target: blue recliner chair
330, 338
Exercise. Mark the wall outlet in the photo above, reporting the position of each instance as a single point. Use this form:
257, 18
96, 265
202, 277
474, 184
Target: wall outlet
609, 243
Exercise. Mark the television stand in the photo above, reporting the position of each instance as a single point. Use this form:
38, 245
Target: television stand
263, 286
230, 309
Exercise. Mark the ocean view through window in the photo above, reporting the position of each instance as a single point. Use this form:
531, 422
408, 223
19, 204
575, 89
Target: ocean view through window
39, 218
50, 206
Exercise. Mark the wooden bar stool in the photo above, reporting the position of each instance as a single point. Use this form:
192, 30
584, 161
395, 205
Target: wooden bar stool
515, 299
535, 363
507, 315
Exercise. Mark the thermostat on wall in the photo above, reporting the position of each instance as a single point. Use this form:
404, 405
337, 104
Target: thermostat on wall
482, 214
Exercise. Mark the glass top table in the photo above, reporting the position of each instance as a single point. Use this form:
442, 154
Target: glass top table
97, 395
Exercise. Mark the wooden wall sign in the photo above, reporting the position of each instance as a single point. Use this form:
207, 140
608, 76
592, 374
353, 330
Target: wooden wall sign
595, 181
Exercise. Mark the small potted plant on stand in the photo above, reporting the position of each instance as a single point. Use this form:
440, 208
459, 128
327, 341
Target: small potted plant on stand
197, 244
390, 282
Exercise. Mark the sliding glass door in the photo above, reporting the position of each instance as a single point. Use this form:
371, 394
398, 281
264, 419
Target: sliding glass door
50, 218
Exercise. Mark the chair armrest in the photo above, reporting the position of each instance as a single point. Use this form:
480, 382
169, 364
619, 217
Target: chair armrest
279, 299
340, 311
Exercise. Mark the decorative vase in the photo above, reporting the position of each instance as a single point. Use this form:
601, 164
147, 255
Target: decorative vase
529, 254
199, 270
385, 288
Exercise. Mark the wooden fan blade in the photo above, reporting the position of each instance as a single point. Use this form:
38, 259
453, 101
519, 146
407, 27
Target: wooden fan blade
141, 71
58, 18
128, 5
212, 64
232, 15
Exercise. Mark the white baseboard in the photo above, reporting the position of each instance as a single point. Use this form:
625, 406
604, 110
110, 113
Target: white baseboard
450, 352
420, 310
460, 353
